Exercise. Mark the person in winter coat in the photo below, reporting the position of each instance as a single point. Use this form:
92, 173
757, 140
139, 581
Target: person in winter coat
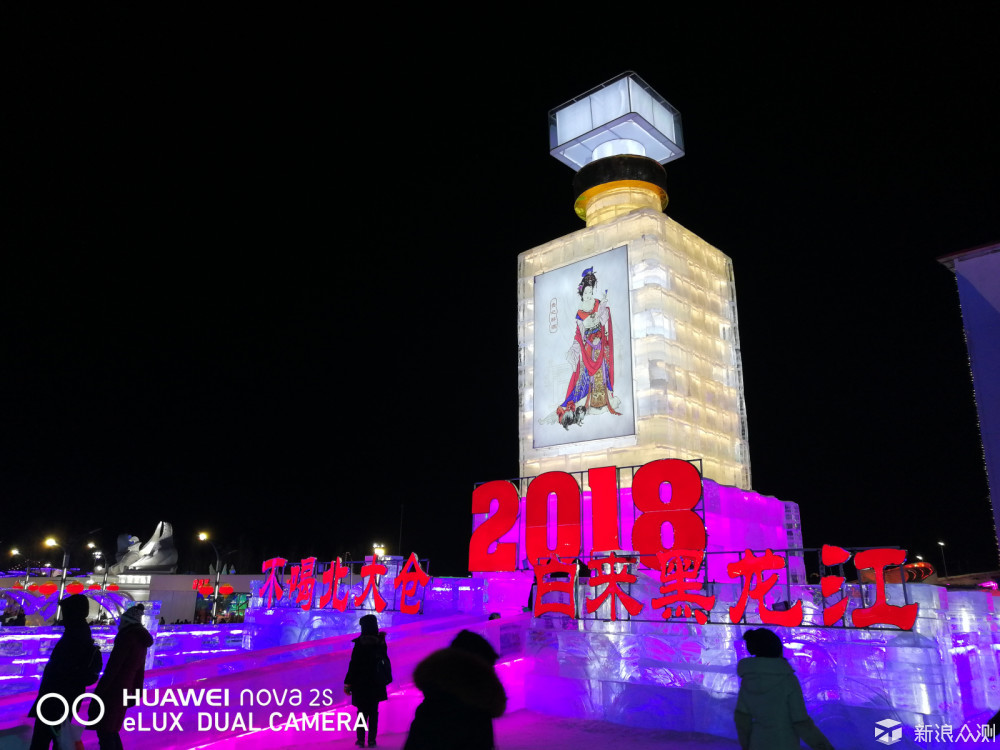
770, 710
361, 682
75, 663
462, 696
126, 670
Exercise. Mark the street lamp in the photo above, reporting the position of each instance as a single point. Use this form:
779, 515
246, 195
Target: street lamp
99, 553
15, 552
943, 560
50, 542
378, 549
203, 537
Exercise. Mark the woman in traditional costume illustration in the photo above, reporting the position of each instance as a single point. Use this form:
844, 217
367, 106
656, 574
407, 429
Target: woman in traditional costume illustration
592, 356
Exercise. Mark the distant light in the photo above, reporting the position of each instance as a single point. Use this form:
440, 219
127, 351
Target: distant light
50, 542
15, 551
202, 536
941, 543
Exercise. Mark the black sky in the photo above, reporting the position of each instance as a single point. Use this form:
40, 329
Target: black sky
231, 300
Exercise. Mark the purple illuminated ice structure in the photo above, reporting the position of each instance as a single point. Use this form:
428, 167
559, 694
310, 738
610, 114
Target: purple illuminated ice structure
655, 674
310, 667
286, 622
45, 606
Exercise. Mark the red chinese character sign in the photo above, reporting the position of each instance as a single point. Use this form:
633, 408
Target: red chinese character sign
753, 569
679, 576
371, 573
612, 581
331, 579
303, 582
829, 585
668, 536
879, 613
555, 577
305, 576
410, 577
271, 590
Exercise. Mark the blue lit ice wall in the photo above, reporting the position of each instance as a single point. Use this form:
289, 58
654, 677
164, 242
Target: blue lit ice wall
979, 290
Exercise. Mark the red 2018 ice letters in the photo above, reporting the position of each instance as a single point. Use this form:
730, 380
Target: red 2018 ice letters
685, 492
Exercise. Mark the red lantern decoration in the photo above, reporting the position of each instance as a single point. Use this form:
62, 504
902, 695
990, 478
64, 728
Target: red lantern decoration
74, 588
94, 587
18, 586
48, 588
225, 589
112, 587
32, 587
206, 590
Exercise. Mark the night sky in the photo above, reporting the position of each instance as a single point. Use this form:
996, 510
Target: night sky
259, 275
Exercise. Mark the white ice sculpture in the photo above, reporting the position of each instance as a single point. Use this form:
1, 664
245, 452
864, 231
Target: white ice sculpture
158, 555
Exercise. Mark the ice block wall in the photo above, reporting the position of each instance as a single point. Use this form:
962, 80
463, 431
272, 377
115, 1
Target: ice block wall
686, 362
682, 676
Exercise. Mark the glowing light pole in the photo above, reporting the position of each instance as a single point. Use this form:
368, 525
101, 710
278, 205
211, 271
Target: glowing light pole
15, 552
50, 542
98, 553
202, 536
944, 562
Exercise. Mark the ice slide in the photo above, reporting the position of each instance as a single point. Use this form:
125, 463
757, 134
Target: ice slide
265, 690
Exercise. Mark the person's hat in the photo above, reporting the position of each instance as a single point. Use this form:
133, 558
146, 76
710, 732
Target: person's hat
75, 607
369, 625
475, 644
763, 642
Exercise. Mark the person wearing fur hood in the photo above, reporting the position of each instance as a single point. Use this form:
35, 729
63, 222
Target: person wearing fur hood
462, 696
126, 671
361, 682
770, 710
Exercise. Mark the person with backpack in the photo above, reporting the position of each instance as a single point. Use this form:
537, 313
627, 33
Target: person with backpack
75, 662
367, 676
770, 710
126, 671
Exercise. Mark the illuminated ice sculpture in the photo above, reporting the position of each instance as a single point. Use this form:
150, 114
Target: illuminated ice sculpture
156, 555
628, 342
622, 116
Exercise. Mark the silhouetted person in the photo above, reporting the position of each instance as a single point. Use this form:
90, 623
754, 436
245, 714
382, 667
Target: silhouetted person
75, 663
126, 670
362, 682
770, 710
462, 696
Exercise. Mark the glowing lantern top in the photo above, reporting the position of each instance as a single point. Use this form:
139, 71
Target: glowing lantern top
622, 116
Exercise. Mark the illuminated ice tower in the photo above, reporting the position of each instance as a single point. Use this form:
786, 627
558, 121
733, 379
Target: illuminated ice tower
628, 343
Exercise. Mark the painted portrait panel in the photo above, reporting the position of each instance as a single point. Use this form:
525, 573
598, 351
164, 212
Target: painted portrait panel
583, 352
